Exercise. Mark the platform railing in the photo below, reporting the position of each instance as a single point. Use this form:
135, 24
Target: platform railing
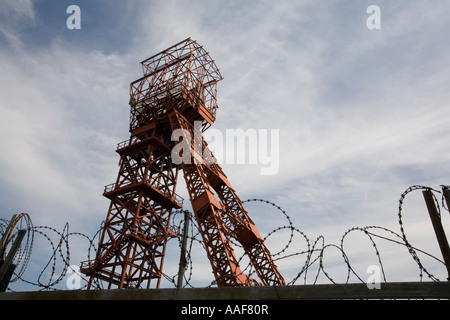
155, 184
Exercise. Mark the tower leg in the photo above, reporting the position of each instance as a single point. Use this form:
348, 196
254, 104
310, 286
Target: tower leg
134, 237
227, 216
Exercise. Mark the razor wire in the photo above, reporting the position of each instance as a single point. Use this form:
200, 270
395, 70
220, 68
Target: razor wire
57, 266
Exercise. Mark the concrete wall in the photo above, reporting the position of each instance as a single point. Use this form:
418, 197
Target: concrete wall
400, 290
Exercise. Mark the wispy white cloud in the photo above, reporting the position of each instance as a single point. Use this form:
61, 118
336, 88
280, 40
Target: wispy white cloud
13, 17
61, 116
17, 12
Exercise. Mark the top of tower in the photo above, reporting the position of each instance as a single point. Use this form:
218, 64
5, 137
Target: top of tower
184, 69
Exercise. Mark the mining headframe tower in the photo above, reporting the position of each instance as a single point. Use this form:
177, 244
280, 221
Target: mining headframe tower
177, 91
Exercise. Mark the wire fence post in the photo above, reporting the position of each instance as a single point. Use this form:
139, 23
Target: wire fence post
7, 266
438, 229
182, 266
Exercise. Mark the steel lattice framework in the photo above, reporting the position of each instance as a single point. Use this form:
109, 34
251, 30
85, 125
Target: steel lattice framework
177, 91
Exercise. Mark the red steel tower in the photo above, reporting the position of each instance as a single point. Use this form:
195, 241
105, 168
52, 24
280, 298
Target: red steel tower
177, 91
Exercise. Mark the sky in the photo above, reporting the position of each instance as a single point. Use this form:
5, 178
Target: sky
361, 114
